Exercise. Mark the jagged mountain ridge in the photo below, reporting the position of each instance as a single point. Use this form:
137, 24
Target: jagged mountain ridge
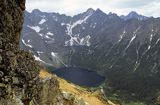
104, 42
52, 30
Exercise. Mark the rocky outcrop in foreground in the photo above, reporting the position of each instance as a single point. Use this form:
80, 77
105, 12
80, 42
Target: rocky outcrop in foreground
19, 73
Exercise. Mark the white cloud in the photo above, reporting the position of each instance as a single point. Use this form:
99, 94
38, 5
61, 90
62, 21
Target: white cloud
72, 7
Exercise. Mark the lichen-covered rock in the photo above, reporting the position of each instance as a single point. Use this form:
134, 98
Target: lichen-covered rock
70, 99
157, 101
49, 93
18, 70
19, 73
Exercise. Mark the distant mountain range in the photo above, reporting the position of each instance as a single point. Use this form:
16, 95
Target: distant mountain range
124, 48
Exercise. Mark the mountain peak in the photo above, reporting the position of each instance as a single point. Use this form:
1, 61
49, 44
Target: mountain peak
90, 10
113, 15
36, 11
98, 10
133, 15
110, 13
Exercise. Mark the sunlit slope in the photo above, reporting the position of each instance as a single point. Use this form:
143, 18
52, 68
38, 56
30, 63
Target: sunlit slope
90, 98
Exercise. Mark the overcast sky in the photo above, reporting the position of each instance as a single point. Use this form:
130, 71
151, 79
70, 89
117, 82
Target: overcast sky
72, 7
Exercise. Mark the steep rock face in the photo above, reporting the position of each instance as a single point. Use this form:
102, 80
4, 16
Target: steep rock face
19, 73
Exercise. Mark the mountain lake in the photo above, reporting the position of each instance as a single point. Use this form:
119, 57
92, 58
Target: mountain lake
80, 76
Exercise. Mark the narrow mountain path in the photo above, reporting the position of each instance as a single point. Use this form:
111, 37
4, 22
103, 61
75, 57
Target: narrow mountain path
90, 98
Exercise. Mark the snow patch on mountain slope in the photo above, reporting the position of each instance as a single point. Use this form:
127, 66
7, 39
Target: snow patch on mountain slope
85, 40
93, 25
150, 40
69, 31
55, 18
38, 59
76, 40
35, 28
62, 24
151, 37
157, 41
29, 41
47, 37
132, 39
71, 26
40, 34
55, 56
72, 41
26, 44
50, 34
40, 52
121, 36
134, 36
42, 21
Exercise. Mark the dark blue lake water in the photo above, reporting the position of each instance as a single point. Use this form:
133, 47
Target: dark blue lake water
80, 76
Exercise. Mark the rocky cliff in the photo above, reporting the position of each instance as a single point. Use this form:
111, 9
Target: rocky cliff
20, 83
